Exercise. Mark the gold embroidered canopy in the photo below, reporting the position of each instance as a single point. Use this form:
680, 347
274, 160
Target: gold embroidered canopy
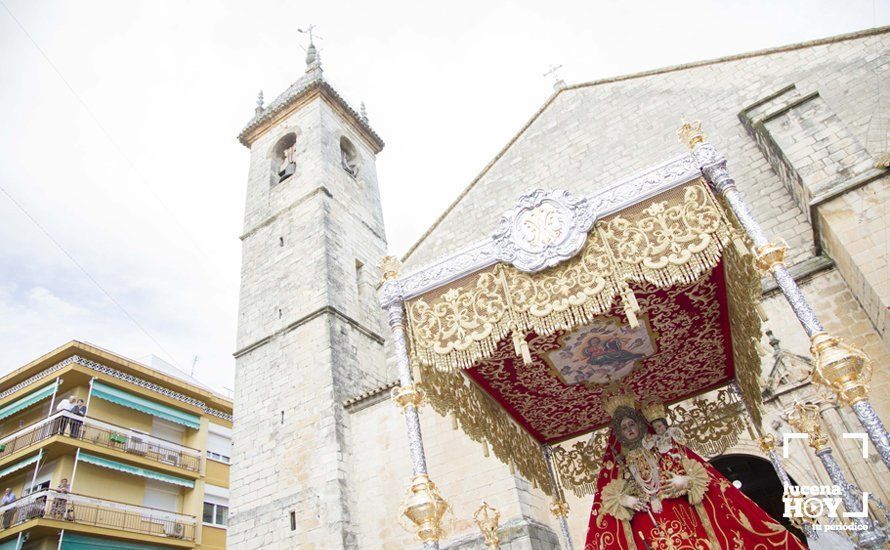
659, 294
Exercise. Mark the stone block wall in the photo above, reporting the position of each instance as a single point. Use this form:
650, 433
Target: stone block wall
309, 334
855, 233
381, 473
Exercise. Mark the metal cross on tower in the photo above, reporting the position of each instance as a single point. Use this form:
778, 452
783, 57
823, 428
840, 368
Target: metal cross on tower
308, 30
313, 59
558, 83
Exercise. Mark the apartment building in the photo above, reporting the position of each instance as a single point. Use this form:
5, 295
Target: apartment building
101, 451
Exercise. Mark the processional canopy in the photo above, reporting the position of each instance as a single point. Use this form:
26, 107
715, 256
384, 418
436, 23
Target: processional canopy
648, 283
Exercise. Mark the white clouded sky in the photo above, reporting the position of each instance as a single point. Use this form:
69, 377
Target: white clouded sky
150, 199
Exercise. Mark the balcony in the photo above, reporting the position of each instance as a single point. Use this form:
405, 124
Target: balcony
105, 435
49, 506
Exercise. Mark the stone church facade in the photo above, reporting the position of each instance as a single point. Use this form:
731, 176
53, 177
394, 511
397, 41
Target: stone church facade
320, 453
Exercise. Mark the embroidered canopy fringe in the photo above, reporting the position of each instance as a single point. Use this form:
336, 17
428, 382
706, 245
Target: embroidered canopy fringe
579, 465
565, 319
485, 422
673, 238
669, 240
743, 293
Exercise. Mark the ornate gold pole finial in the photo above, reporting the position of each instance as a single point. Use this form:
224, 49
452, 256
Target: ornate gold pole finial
690, 133
424, 506
487, 519
841, 368
389, 267
769, 255
559, 508
767, 443
805, 418
404, 396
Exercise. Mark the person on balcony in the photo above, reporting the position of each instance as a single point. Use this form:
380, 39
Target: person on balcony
64, 405
7, 500
80, 410
60, 501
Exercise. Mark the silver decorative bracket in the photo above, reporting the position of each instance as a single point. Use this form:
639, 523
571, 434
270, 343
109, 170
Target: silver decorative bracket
543, 229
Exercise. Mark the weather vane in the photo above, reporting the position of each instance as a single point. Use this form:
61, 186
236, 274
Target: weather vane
313, 59
308, 30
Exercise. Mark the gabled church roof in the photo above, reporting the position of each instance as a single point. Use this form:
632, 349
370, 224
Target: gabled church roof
563, 90
312, 81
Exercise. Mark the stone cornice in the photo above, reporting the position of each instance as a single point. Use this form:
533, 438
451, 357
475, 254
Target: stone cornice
370, 397
326, 310
297, 95
123, 376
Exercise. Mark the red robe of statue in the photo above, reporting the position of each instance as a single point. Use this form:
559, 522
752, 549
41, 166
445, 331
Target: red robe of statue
722, 518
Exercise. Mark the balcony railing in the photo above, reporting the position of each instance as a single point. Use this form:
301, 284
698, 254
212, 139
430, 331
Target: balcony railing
69, 507
105, 435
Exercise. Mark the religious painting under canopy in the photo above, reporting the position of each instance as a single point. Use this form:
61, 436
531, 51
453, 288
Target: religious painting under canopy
653, 290
689, 322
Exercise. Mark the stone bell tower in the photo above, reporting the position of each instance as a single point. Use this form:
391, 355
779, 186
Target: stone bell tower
309, 328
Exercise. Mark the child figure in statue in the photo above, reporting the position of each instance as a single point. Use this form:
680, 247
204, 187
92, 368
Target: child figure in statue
666, 438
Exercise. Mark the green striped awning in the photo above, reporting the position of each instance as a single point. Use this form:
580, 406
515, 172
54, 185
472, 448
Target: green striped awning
127, 399
134, 470
19, 465
73, 541
26, 401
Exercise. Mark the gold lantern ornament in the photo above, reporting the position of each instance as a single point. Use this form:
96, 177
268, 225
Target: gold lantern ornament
425, 507
805, 418
841, 368
487, 519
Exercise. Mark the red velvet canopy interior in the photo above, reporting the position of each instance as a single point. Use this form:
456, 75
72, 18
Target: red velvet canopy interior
681, 348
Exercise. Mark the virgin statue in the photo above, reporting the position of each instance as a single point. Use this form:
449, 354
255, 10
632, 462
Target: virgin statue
653, 492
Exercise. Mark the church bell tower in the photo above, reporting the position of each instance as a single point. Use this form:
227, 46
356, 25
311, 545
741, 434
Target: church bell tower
309, 329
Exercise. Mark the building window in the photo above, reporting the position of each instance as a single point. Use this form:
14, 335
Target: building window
37, 488
218, 457
293, 521
348, 157
219, 445
284, 161
216, 514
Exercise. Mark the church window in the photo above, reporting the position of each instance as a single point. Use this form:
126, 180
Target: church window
348, 157
280, 241
284, 157
293, 521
